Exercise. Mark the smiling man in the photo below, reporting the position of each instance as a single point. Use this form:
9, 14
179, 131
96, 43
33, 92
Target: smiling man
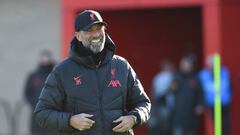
93, 91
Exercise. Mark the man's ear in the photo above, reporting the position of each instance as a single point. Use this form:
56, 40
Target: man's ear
78, 36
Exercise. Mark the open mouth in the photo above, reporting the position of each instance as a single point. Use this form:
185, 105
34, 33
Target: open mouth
95, 40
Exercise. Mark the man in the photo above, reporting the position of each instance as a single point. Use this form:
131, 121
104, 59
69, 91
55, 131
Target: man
207, 81
163, 79
162, 100
188, 97
93, 91
34, 85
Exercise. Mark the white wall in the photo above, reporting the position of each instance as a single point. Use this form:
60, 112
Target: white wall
26, 27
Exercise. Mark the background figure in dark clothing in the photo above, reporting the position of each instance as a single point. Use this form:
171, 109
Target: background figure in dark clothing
162, 100
34, 85
188, 98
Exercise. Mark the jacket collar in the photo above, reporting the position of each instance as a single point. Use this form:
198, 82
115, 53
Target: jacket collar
87, 58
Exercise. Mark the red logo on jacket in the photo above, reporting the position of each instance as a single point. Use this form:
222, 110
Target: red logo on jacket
114, 82
77, 80
113, 72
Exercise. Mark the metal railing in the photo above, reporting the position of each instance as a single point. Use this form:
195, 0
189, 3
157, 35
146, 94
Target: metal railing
12, 116
5, 106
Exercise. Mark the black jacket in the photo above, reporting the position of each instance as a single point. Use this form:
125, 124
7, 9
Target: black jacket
188, 96
34, 85
107, 91
35, 82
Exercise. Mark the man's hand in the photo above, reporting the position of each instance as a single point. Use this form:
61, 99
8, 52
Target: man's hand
126, 123
81, 121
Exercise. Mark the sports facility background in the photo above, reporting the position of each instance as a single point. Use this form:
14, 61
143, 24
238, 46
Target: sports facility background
143, 30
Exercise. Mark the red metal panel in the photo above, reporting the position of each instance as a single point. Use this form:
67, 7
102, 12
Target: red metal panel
70, 7
231, 48
211, 28
212, 43
123, 4
67, 32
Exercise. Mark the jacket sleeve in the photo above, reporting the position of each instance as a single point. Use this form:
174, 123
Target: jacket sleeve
49, 109
138, 103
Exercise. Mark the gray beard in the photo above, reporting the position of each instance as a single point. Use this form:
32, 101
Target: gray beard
95, 47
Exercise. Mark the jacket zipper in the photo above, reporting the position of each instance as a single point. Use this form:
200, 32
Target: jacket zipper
100, 102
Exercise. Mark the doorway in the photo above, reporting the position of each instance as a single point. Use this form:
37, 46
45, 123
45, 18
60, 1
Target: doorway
147, 36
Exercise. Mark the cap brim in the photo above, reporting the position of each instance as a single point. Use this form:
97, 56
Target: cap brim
90, 25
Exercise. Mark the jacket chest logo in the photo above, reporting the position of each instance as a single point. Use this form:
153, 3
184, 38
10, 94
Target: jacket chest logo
114, 82
77, 80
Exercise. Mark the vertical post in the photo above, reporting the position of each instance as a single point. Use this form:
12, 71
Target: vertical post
217, 102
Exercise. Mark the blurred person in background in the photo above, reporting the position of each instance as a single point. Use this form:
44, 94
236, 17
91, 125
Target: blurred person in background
93, 91
207, 81
162, 100
34, 84
188, 97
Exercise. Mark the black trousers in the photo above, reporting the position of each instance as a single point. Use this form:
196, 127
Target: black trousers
225, 119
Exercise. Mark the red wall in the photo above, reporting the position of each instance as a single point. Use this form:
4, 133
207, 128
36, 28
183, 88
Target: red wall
231, 48
145, 37
211, 44
70, 7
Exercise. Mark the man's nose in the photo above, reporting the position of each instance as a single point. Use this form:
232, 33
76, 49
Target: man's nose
97, 33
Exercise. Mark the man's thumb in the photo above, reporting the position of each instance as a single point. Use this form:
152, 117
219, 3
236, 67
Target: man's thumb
118, 120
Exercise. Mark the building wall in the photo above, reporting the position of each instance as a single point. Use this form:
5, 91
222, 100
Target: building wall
231, 46
26, 27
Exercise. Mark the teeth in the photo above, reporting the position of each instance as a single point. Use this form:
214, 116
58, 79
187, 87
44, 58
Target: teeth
96, 40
